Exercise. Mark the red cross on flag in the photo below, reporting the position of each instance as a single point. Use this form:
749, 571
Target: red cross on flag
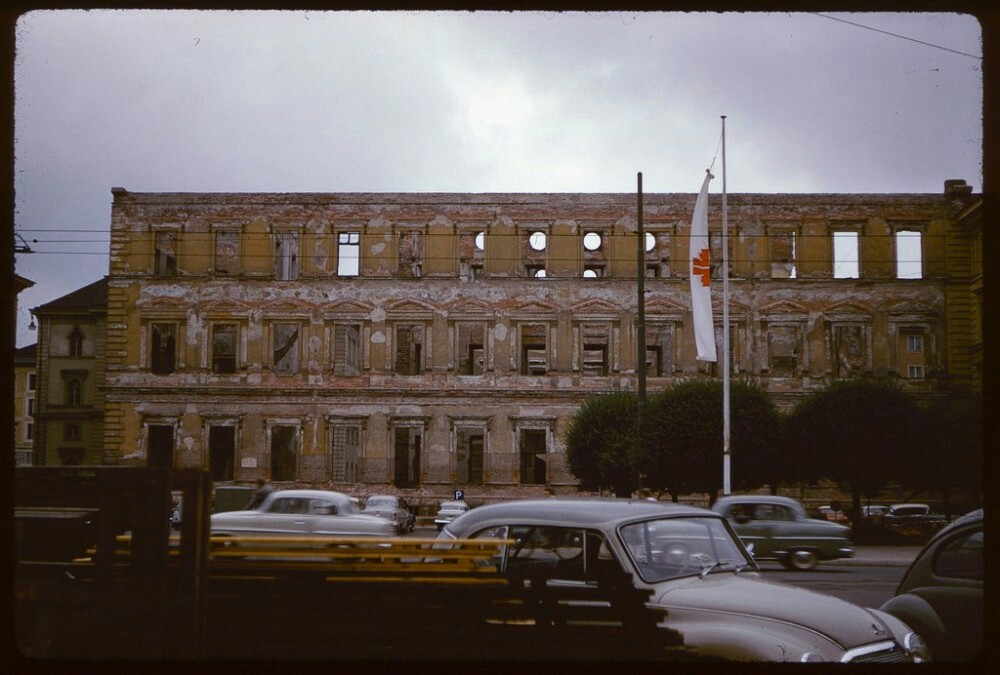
701, 274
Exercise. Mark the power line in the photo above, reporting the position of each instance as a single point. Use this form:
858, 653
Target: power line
896, 35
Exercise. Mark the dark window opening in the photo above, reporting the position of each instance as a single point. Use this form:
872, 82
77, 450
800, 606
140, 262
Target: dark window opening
163, 359
284, 452
533, 454
161, 446
221, 451
166, 254
224, 348
409, 341
406, 457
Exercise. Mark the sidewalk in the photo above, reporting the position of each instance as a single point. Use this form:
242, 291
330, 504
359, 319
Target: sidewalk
885, 556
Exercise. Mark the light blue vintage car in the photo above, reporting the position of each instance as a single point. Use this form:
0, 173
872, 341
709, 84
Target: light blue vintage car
778, 528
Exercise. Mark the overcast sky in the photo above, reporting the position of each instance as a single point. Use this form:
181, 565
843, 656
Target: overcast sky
159, 101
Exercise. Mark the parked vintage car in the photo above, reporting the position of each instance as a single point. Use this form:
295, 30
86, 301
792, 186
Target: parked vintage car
700, 576
448, 511
914, 517
874, 511
941, 594
836, 515
779, 529
302, 512
394, 509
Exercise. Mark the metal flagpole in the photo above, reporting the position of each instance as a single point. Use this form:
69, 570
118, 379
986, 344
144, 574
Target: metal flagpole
725, 323
640, 326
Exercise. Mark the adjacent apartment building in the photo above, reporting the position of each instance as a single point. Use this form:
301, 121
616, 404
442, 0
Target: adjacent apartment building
431, 341
25, 386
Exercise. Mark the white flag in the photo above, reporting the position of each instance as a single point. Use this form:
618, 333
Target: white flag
701, 274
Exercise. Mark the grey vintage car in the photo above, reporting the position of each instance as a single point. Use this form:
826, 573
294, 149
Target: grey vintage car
778, 528
700, 576
941, 593
302, 512
392, 508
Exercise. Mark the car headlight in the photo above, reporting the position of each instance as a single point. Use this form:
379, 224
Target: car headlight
916, 648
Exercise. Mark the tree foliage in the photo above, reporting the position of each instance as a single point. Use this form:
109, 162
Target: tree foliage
600, 444
684, 437
858, 432
950, 457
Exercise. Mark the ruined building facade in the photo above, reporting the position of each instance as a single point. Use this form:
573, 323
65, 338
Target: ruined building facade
445, 340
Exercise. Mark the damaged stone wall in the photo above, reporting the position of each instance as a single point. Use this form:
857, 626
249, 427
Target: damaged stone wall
411, 321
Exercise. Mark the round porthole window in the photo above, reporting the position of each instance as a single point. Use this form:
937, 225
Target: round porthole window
537, 241
592, 241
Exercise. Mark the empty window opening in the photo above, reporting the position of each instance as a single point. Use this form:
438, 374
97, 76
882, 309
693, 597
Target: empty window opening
534, 350
348, 254
410, 259
595, 350
161, 446
783, 342
344, 452
227, 252
284, 452
286, 256
224, 348
165, 264
846, 263
469, 445
406, 456
909, 255
347, 349
783, 244
533, 456
221, 451
285, 344
471, 349
163, 348
409, 347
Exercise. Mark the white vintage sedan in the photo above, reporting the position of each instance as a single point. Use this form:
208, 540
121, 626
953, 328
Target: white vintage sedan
302, 512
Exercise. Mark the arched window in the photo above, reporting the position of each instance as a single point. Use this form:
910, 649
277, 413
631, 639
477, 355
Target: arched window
75, 340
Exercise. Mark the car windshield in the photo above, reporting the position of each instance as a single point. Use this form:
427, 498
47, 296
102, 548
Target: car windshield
380, 501
454, 506
667, 548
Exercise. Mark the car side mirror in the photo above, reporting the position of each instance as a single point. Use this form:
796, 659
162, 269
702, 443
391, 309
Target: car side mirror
750, 549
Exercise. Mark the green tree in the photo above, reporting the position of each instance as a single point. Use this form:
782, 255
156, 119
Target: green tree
860, 433
950, 456
684, 432
600, 444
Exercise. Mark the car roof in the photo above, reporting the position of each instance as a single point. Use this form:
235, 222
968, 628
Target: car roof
755, 499
453, 503
962, 521
570, 511
311, 494
910, 505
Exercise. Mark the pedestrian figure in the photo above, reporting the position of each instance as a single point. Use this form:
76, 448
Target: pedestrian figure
263, 490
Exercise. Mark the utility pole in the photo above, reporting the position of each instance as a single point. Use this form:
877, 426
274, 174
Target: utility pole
640, 327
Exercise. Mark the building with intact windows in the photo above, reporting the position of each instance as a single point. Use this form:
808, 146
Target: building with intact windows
446, 340
25, 386
69, 411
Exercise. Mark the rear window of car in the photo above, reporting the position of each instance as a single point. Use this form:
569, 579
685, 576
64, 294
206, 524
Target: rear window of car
961, 558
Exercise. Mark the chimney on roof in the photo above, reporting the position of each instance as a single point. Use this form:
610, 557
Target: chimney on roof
957, 188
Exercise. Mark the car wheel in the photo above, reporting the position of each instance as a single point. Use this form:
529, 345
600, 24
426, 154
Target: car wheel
802, 560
